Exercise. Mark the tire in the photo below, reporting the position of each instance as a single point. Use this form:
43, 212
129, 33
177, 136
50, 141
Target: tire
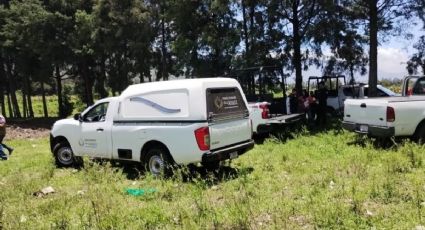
330, 112
212, 166
158, 162
64, 156
420, 135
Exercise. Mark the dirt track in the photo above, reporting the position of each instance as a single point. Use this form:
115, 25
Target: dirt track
29, 128
16, 132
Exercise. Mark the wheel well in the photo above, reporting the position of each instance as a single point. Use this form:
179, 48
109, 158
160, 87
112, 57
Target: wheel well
59, 139
151, 144
422, 123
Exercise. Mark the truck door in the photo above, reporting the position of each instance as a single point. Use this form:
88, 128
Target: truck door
95, 132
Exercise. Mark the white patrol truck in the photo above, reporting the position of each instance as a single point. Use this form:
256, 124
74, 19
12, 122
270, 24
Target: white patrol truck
390, 116
160, 124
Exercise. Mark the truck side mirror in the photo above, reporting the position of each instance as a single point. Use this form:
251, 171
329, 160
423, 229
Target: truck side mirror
77, 117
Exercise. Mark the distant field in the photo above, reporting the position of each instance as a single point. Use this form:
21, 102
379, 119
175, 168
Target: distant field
52, 105
312, 181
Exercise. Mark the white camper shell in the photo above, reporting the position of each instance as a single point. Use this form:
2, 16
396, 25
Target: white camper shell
180, 121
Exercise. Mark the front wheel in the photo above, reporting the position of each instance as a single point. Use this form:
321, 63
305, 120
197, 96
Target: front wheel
158, 162
64, 157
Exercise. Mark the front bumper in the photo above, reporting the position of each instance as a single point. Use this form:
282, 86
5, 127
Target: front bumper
374, 131
222, 154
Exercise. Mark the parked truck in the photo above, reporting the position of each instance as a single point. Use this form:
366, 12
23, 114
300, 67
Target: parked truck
160, 124
390, 116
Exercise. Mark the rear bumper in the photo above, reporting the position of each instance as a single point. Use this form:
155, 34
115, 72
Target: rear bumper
375, 131
224, 153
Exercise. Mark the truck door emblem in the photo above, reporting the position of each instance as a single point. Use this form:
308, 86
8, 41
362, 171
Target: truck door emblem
154, 105
218, 102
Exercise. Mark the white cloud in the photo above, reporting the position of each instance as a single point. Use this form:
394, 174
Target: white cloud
392, 62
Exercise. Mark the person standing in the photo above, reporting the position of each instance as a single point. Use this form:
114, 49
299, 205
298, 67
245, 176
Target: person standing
322, 97
293, 102
2, 135
312, 107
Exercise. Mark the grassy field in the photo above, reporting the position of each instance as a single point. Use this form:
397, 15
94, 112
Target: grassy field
323, 180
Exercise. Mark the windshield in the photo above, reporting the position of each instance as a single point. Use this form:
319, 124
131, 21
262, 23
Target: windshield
387, 91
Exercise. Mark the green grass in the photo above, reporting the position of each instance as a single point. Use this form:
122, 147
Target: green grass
311, 181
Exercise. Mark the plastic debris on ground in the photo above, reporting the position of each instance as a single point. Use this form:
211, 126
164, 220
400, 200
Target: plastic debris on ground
139, 192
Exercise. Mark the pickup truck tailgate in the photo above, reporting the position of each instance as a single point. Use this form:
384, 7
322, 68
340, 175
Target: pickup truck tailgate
229, 122
366, 111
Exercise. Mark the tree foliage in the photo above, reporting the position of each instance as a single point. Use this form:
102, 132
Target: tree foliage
102, 46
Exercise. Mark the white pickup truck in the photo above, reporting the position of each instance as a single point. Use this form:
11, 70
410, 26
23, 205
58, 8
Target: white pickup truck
160, 124
390, 116
263, 120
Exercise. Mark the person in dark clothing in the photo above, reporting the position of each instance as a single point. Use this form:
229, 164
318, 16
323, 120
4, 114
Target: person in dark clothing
322, 97
312, 107
293, 102
3, 156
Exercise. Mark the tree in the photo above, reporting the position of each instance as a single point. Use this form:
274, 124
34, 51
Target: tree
344, 40
300, 16
418, 59
378, 17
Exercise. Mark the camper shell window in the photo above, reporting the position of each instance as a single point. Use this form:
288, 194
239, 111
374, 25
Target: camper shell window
225, 103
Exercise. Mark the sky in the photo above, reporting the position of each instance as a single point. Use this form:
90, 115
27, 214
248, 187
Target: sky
392, 57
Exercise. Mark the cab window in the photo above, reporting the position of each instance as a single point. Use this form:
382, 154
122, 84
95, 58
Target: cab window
97, 113
419, 87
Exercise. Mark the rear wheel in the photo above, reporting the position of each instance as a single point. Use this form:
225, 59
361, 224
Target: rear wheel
420, 134
158, 162
64, 156
211, 166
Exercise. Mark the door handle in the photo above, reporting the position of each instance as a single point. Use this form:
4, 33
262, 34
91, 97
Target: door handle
363, 105
99, 129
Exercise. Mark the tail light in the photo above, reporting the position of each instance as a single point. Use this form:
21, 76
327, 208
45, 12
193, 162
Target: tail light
390, 114
265, 113
202, 136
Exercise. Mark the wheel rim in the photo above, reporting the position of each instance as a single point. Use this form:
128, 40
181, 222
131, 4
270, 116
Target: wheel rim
156, 165
65, 156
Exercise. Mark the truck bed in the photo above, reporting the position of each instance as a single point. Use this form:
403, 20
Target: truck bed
285, 119
397, 99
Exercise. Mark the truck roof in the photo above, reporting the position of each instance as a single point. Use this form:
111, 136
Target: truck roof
183, 83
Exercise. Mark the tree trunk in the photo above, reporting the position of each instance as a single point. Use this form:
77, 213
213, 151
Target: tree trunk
3, 106
87, 83
12, 88
251, 28
373, 48
59, 90
29, 100
9, 104
102, 79
164, 75
24, 102
2, 86
297, 50
247, 47
43, 96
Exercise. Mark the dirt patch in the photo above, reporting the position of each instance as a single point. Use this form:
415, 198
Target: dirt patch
28, 128
16, 132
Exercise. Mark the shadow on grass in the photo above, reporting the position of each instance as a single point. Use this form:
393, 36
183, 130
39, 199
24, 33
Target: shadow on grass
379, 143
188, 174
212, 177
283, 133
